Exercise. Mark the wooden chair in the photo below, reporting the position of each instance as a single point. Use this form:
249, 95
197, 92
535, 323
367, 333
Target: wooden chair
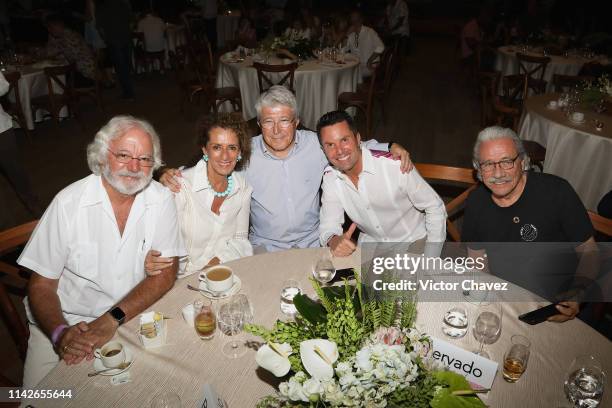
187, 80
534, 69
61, 91
14, 109
266, 81
138, 53
601, 224
363, 100
564, 83
14, 280
456, 175
94, 92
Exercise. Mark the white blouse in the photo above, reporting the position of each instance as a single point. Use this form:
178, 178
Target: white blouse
205, 233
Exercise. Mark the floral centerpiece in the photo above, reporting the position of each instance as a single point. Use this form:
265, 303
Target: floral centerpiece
300, 47
596, 92
351, 352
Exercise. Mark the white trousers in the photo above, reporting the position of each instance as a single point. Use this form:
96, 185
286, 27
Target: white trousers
41, 357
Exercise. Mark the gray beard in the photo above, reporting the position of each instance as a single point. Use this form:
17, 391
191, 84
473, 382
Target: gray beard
131, 189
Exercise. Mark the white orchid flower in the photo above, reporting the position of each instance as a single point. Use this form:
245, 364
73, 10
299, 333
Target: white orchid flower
274, 358
318, 357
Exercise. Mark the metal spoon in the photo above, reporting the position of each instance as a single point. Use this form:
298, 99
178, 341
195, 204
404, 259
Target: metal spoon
121, 366
213, 294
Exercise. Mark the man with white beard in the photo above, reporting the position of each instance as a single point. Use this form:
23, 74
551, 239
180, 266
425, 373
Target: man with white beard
88, 250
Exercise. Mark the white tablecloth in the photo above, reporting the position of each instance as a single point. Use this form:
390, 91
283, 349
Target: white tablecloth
507, 64
32, 84
186, 363
317, 85
577, 152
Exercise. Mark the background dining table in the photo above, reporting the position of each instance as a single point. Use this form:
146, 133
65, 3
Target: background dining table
578, 152
186, 363
571, 64
317, 84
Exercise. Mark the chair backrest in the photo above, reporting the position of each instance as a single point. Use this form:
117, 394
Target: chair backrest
455, 175
488, 82
266, 81
61, 77
601, 224
11, 240
533, 67
564, 83
513, 89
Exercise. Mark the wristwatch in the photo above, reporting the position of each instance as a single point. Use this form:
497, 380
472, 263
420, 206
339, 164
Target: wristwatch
118, 314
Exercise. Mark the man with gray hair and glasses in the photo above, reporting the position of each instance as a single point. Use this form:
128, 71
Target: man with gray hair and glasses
515, 205
87, 252
285, 171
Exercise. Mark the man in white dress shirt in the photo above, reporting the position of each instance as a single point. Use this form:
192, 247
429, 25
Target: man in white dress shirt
87, 252
363, 42
154, 30
386, 205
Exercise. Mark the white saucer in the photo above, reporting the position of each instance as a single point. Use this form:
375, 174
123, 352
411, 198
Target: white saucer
98, 366
576, 122
220, 295
552, 108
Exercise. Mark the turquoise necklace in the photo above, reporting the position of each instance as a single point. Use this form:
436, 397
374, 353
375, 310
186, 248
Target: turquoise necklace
228, 190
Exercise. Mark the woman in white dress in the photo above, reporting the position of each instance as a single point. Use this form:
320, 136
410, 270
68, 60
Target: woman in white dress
214, 202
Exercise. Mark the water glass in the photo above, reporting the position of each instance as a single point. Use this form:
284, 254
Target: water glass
205, 320
585, 382
487, 328
516, 358
166, 400
290, 289
324, 270
232, 314
455, 322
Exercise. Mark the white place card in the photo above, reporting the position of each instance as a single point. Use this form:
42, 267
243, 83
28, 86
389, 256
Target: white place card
211, 399
476, 369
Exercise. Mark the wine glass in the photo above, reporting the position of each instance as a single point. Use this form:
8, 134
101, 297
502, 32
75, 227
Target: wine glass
324, 270
231, 320
166, 400
585, 382
488, 326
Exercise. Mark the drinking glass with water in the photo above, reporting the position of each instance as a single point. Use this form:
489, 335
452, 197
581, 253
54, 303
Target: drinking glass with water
585, 382
324, 270
455, 322
290, 289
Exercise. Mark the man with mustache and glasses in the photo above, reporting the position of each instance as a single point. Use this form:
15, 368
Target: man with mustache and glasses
88, 250
515, 205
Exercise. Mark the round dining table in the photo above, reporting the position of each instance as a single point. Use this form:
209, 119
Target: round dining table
577, 152
507, 64
317, 84
185, 363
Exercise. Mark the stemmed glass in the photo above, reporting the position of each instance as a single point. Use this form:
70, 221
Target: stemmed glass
231, 316
585, 382
488, 326
324, 270
166, 400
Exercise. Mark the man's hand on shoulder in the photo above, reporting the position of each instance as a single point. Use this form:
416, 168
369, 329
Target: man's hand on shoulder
399, 153
170, 179
343, 245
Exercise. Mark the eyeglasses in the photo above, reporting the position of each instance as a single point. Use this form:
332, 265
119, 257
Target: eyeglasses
506, 164
283, 123
125, 158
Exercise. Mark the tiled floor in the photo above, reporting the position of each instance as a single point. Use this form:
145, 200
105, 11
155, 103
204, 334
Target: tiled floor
431, 111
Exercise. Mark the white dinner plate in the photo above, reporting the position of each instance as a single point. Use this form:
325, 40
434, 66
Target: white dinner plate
129, 357
220, 295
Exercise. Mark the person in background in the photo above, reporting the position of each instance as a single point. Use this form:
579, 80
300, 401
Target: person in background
245, 34
72, 47
214, 201
209, 14
113, 22
154, 30
298, 30
12, 164
87, 252
95, 41
363, 42
398, 24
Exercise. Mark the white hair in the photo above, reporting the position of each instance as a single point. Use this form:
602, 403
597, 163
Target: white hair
97, 156
274, 96
496, 133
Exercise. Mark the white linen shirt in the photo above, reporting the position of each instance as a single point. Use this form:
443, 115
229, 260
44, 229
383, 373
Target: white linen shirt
207, 234
6, 122
363, 46
154, 30
77, 241
388, 206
